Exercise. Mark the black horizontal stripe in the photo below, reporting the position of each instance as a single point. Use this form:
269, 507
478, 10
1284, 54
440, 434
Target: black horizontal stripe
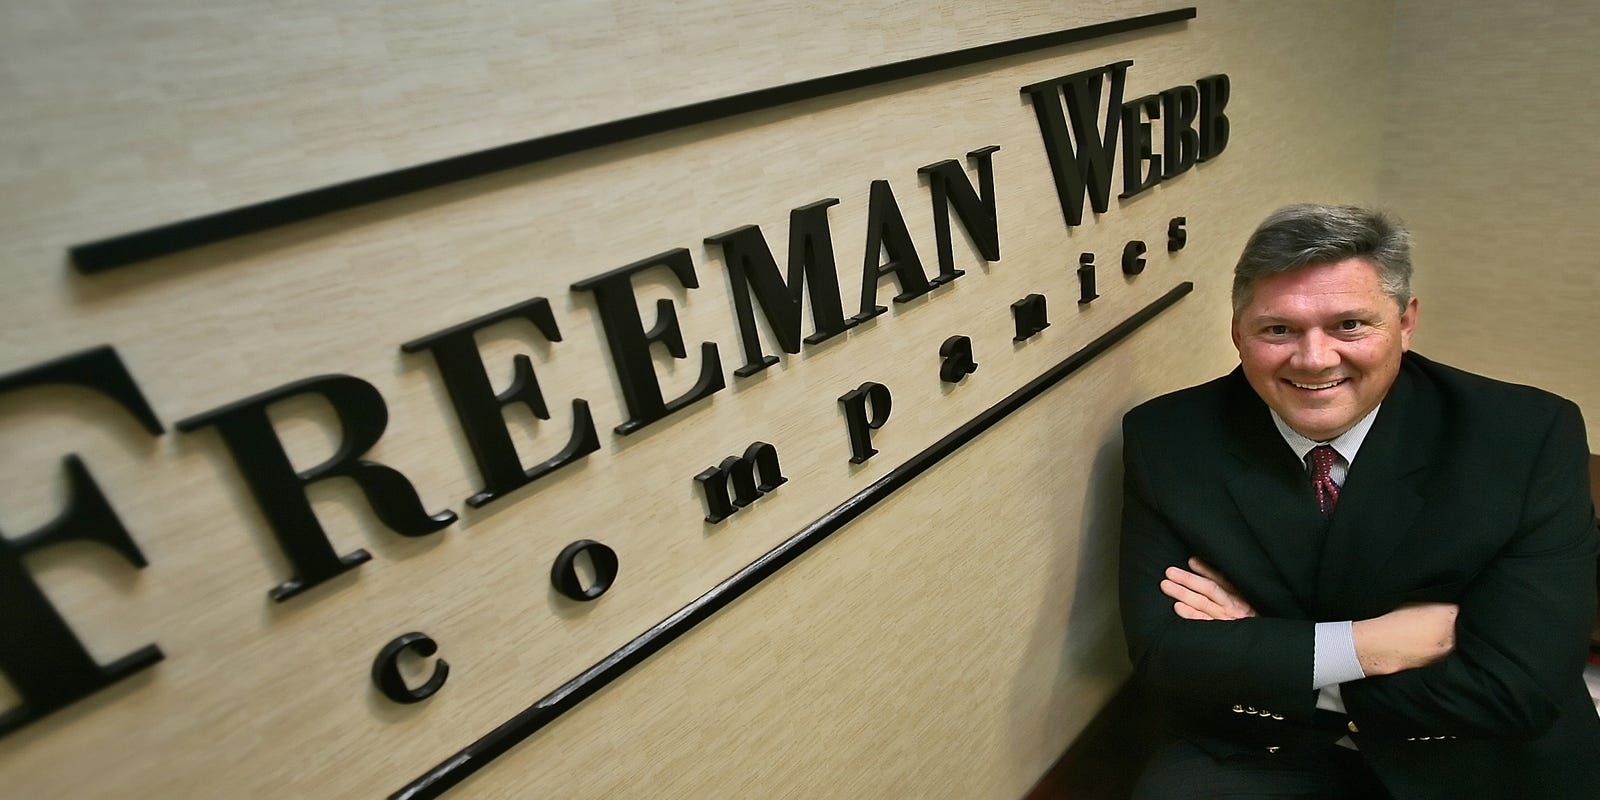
478, 754
173, 237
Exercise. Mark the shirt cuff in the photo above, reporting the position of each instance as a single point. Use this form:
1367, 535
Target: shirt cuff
1333, 655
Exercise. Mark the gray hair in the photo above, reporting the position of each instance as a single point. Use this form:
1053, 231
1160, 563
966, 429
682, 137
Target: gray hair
1307, 235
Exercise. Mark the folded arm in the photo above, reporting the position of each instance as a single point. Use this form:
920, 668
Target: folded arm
1258, 661
1524, 623
1412, 636
1193, 635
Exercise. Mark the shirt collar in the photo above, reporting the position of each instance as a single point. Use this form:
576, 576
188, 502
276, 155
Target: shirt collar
1346, 444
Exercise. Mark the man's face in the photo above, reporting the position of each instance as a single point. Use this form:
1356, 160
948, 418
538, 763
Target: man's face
1322, 344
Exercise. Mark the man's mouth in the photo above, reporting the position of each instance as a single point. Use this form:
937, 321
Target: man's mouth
1316, 386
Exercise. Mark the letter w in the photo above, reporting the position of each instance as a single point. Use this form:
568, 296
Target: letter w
1085, 169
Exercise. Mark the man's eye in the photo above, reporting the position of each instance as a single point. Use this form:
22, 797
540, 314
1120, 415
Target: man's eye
1277, 330
1349, 324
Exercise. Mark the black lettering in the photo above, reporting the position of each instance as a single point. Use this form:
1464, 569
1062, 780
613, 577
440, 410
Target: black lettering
45, 662
956, 361
1214, 92
1085, 169
1179, 141
38, 652
887, 236
1086, 292
947, 183
1177, 237
99, 369
1133, 257
866, 408
280, 492
1030, 315
564, 572
1137, 149
386, 669
630, 342
480, 410
759, 458
752, 270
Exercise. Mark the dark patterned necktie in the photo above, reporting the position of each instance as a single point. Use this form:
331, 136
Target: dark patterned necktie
1321, 458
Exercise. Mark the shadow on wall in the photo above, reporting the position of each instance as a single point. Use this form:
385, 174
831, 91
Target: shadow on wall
1077, 633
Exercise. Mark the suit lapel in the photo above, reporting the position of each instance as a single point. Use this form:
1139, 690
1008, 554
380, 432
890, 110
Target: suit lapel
1380, 500
1271, 491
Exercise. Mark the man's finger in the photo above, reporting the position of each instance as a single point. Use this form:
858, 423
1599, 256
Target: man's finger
1214, 576
1225, 594
1203, 606
1198, 583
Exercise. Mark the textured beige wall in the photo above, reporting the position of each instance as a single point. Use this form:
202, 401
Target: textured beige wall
1490, 156
949, 643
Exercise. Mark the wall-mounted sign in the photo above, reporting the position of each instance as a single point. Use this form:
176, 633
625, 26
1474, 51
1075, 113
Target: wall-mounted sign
815, 298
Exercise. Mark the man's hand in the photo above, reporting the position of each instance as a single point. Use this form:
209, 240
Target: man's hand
1204, 594
1408, 637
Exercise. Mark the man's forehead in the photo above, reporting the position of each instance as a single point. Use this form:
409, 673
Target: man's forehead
1353, 278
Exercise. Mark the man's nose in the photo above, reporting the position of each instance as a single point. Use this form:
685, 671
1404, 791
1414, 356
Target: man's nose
1315, 353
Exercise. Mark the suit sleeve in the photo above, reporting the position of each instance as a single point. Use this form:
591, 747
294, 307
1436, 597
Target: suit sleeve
1524, 623
1260, 662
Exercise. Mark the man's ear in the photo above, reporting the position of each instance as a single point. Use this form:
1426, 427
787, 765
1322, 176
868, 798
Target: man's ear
1408, 324
1233, 331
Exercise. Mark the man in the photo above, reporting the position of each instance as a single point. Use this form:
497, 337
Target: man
1352, 571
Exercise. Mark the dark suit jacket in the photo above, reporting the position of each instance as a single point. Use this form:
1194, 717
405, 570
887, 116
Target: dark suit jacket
1466, 490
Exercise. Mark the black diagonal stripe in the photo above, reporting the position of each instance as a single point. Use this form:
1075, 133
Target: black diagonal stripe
478, 754
173, 237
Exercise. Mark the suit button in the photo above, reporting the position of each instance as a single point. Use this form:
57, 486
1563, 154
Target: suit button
1272, 749
1352, 726
1238, 709
1278, 717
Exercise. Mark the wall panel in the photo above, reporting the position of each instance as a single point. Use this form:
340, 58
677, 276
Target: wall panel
1488, 157
949, 642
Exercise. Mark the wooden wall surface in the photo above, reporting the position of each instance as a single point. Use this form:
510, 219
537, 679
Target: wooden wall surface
948, 643
1488, 155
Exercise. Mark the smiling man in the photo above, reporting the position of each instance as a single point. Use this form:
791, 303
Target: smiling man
1351, 571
